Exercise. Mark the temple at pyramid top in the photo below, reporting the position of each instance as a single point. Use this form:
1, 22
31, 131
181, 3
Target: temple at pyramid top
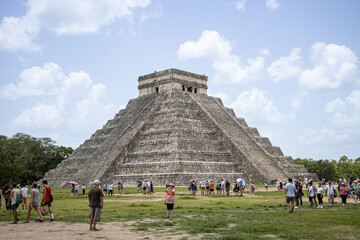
163, 81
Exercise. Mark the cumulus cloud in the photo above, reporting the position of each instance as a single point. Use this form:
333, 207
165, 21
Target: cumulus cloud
228, 66
331, 67
334, 65
272, 4
65, 102
241, 5
286, 67
62, 17
256, 107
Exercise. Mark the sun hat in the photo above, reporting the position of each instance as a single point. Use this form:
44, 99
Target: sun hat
96, 182
168, 185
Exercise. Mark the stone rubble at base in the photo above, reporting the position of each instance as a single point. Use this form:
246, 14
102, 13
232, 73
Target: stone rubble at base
174, 132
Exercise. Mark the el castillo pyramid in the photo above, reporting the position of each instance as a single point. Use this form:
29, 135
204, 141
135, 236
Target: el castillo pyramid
174, 132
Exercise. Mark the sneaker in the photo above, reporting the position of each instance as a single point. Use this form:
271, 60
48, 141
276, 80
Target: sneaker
319, 207
322, 206
296, 207
23, 210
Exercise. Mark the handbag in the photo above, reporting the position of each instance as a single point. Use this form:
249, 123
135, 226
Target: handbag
44, 210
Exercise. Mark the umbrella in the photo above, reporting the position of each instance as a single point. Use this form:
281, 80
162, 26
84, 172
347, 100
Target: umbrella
72, 182
241, 181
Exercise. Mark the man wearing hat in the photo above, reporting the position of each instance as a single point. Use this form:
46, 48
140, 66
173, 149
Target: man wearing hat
330, 192
96, 203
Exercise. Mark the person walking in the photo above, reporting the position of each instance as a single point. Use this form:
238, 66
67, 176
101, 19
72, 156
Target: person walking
330, 191
6, 191
170, 200
343, 194
311, 194
319, 194
290, 191
24, 193
14, 201
34, 202
96, 203
83, 189
46, 198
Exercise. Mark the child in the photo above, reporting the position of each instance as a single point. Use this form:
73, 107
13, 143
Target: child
170, 200
34, 202
252, 189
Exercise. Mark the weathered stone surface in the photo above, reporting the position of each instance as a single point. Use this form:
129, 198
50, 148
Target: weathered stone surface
172, 133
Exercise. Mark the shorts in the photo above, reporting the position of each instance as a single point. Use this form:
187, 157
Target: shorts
31, 207
311, 198
194, 188
170, 206
14, 206
144, 188
290, 199
47, 204
211, 189
222, 188
24, 199
202, 188
207, 188
95, 214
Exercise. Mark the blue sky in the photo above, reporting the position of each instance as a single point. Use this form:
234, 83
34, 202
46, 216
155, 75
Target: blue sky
290, 68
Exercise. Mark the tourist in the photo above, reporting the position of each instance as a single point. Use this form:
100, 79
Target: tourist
193, 187
189, 186
266, 185
14, 201
47, 198
236, 188
320, 195
202, 186
72, 189
148, 187
6, 191
356, 192
83, 189
252, 189
306, 182
311, 194
111, 189
138, 186
120, 187
212, 187
330, 191
207, 188
227, 187
218, 188
34, 202
151, 187
290, 191
76, 190
315, 191
241, 188
24, 192
299, 193
343, 194
144, 186
170, 200
96, 203
105, 188
223, 186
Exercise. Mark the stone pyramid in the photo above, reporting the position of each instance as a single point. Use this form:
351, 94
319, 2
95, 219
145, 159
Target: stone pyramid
174, 132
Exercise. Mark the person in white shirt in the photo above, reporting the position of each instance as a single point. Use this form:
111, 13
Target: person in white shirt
320, 195
83, 189
111, 189
330, 192
202, 186
223, 186
76, 193
24, 192
311, 194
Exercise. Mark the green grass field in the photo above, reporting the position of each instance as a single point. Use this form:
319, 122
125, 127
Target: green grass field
264, 216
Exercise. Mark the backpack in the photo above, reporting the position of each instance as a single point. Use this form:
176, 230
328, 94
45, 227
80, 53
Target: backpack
18, 199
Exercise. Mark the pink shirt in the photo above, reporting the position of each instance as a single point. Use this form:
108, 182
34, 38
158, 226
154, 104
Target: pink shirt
343, 191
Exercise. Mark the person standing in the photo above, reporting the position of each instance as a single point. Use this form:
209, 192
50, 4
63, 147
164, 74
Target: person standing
120, 187
24, 192
212, 187
111, 189
330, 191
343, 194
83, 189
223, 186
227, 187
266, 185
252, 189
298, 195
290, 191
170, 200
356, 192
34, 202
311, 194
319, 195
202, 186
6, 191
96, 203
105, 188
13, 201
46, 198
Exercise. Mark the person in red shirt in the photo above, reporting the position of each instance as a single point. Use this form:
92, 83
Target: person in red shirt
46, 198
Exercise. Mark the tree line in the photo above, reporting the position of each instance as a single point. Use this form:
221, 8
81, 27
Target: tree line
332, 169
25, 159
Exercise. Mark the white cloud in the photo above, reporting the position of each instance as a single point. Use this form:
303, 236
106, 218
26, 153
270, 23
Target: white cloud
334, 65
228, 66
272, 4
241, 5
224, 96
286, 67
66, 103
256, 107
62, 17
